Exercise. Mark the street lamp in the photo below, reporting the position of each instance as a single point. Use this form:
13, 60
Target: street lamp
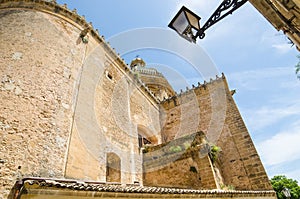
186, 23
286, 192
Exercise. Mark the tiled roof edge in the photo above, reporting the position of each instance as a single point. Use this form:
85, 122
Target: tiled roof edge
119, 188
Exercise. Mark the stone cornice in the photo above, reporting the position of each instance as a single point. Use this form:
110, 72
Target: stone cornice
62, 11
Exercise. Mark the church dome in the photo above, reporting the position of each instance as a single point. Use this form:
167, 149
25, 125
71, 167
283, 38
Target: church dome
137, 62
152, 78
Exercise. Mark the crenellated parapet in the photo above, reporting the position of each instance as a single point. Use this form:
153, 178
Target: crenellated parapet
198, 89
50, 7
209, 107
75, 109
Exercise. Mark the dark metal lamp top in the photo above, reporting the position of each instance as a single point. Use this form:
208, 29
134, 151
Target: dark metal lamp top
186, 24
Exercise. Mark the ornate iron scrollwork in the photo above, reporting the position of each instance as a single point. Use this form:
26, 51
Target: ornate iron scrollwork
219, 14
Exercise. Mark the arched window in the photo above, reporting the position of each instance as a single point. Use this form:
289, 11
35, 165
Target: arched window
113, 168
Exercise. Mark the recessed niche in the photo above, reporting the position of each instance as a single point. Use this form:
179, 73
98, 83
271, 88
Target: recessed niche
108, 75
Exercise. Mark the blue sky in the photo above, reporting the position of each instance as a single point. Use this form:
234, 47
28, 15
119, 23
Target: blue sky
257, 60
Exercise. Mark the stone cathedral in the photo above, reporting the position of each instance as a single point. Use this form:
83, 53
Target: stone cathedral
77, 122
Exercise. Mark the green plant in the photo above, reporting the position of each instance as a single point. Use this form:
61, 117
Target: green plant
214, 153
187, 145
227, 187
175, 149
280, 182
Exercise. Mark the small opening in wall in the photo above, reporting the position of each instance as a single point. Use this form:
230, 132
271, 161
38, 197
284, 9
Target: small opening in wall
193, 169
109, 75
19, 167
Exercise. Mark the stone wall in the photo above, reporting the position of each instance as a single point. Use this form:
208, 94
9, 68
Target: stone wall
66, 104
220, 120
180, 163
111, 107
189, 173
40, 65
198, 109
241, 165
57, 94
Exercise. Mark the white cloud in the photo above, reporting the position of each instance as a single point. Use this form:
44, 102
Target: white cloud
289, 169
277, 40
265, 116
292, 84
275, 95
250, 75
294, 174
282, 48
270, 37
282, 147
260, 79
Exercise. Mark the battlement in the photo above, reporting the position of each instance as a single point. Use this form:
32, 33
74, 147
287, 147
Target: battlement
176, 100
50, 7
76, 110
62, 11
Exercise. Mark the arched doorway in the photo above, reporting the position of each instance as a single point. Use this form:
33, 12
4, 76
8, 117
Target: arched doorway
113, 168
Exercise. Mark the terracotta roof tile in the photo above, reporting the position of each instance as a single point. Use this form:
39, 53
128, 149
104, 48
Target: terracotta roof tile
104, 187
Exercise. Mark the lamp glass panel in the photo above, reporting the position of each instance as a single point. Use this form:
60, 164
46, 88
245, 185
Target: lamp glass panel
181, 23
194, 21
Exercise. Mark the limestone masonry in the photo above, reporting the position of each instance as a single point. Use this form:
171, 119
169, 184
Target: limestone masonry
76, 121
283, 15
